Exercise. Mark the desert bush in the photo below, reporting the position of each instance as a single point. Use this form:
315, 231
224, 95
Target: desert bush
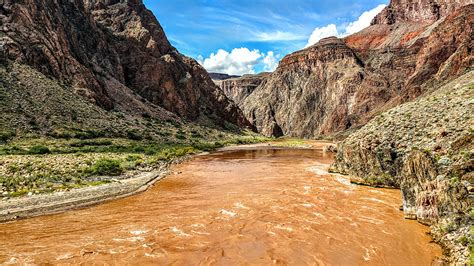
134, 135
106, 166
5, 136
180, 136
39, 149
84, 143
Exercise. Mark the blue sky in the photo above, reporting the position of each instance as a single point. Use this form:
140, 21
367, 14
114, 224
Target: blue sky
249, 36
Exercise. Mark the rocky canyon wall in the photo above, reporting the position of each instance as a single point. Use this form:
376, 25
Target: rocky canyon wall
340, 84
425, 148
418, 10
114, 53
239, 88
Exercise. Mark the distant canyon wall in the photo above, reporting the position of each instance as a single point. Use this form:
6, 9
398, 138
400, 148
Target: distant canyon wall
339, 84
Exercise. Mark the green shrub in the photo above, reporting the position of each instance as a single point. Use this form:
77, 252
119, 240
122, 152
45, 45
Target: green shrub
150, 150
106, 166
133, 157
463, 240
89, 134
180, 136
134, 135
39, 149
231, 127
61, 134
5, 136
83, 143
205, 146
218, 144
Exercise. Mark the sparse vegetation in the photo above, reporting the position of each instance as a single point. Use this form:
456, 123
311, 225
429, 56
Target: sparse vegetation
42, 165
5, 136
39, 149
448, 227
292, 143
105, 166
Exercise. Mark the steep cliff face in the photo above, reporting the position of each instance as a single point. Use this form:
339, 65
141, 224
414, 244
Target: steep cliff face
305, 96
115, 53
418, 10
239, 88
340, 84
425, 148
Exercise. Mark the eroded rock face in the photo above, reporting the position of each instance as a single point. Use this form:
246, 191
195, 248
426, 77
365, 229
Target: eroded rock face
239, 88
424, 148
418, 10
113, 52
340, 84
304, 97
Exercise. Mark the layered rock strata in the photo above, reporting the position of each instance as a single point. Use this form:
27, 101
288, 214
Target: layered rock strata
339, 84
239, 88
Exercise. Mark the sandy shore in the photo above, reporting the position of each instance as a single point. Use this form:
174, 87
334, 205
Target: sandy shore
37, 205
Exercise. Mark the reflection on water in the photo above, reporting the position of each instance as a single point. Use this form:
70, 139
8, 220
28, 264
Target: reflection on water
256, 205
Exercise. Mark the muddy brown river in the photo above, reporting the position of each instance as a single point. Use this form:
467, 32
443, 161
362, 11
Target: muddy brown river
247, 205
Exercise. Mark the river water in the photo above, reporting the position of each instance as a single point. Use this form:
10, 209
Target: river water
247, 205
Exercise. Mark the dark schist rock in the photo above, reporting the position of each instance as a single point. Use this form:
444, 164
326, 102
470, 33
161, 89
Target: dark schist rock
341, 84
113, 52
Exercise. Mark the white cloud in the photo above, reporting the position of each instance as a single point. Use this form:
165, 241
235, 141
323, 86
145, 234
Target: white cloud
363, 21
331, 30
276, 36
270, 62
239, 61
321, 33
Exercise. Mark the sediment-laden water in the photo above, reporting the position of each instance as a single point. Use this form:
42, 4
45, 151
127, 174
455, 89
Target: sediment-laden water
254, 205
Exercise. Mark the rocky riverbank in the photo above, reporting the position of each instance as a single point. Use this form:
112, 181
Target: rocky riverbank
425, 148
36, 205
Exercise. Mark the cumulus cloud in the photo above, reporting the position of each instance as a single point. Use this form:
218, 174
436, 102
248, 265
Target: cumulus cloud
321, 33
239, 61
270, 62
363, 21
331, 30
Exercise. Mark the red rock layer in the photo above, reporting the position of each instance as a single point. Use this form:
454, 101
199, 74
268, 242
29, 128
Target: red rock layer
338, 84
418, 10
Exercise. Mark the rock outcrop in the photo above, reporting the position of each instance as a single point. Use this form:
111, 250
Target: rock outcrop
424, 147
341, 84
113, 52
418, 10
239, 88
